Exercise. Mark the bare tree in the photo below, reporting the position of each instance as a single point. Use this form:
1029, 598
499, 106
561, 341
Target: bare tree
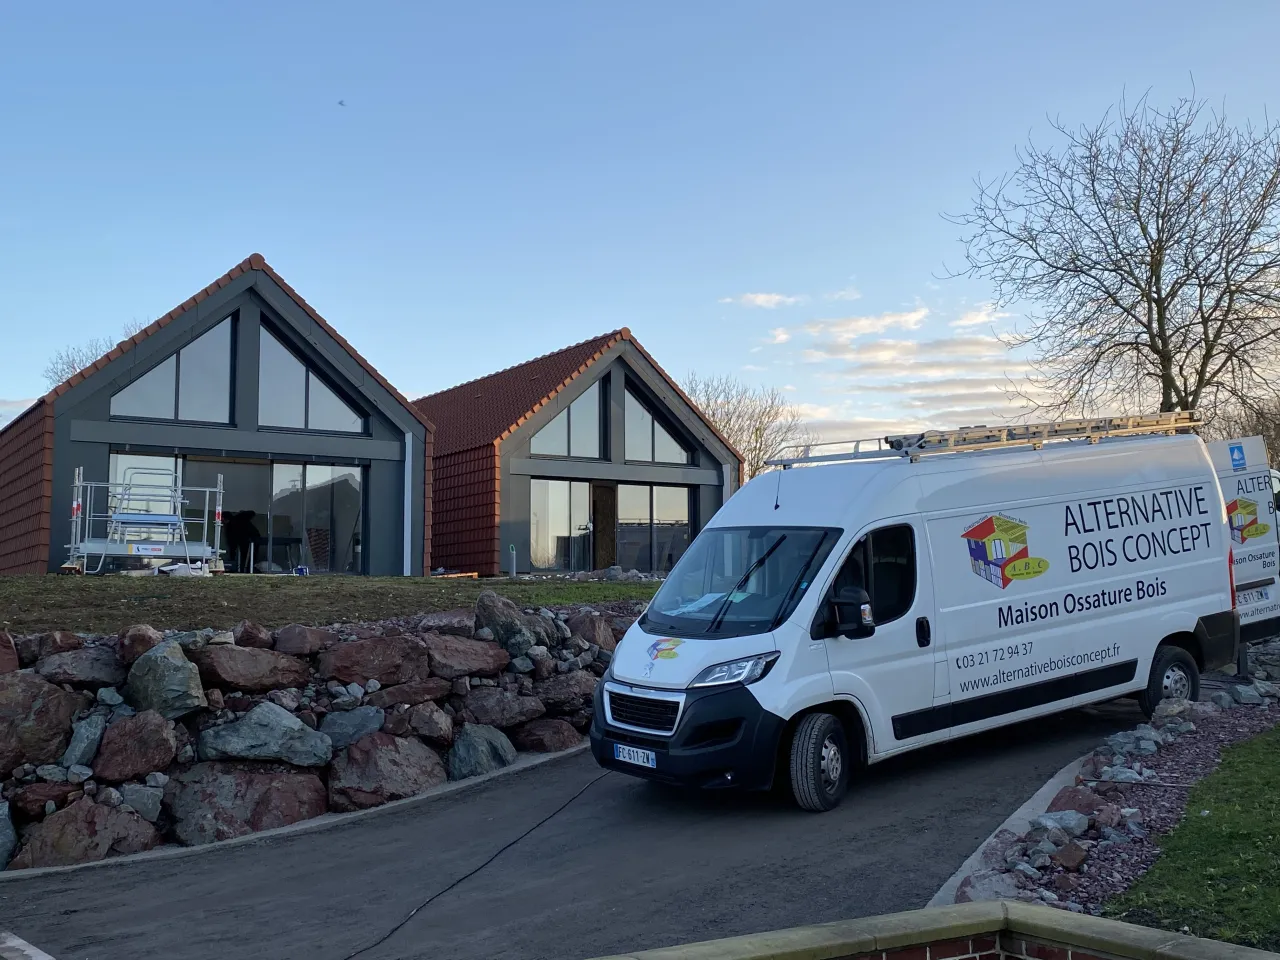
1257, 419
758, 421
70, 360
1148, 249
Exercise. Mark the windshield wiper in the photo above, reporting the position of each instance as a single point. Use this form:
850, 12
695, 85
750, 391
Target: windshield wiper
742, 582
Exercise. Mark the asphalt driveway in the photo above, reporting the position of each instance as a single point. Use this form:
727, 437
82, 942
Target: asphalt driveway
626, 866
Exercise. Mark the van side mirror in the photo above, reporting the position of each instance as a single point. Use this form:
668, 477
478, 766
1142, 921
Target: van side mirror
851, 613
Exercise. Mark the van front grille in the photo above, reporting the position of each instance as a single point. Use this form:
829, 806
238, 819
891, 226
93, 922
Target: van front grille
647, 713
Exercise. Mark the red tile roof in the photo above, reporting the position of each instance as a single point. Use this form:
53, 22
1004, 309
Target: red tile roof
254, 261
490, 409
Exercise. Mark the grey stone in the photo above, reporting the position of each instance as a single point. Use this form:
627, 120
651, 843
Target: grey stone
1114, 835
78, 773
52, 773
164, 680
50, 807
223, 637
109, 797
522, 665
986, 885
355, 690
85, 737
1247, 696
267, 732
1266, 688
157, 779
144, 800
1046, 847
109, 696
479, 749
121, 712
1027, 870
1040, 861
1166, 709
563, 630
1069, 821
373, 686
336, 689
484, 633
1147, 747
346, 728
1121, 775
1222, 699
1137, 831
604, 656
345, 703
8, 836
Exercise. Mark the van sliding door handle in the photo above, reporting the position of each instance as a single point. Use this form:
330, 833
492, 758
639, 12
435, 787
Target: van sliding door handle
923, 635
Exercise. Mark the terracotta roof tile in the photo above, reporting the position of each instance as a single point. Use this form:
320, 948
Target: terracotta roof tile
491, 408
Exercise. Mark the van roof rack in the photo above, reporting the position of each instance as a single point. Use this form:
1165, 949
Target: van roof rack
969, 439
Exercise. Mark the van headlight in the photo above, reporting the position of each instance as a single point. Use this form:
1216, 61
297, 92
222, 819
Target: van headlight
748, 670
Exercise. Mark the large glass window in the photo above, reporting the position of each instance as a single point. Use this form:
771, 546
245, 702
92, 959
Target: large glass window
559, 525
635, 528
574, 432
141, 484
282, 385
333, 518
286, 518
671, 531
151, 395
648, 440
193, 384
291, 395
246, 509
204, 376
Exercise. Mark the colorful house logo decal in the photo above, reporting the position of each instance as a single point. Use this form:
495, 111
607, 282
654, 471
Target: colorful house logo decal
664, 649
998, 551
1243, 515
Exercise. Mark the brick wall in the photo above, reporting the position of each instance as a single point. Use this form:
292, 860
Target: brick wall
26, 491
1005, 946
465, 509
974, 948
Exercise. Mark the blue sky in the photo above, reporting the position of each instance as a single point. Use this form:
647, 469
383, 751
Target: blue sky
753, 188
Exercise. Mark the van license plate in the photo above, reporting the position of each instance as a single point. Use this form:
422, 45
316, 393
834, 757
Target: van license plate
1257, 595
641, 758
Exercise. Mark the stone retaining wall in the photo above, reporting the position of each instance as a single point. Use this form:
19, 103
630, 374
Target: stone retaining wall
115, 745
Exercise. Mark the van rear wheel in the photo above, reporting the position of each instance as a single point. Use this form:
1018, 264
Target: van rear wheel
1174, 676
820, 762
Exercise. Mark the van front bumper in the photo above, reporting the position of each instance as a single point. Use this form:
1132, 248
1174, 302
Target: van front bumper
723, 739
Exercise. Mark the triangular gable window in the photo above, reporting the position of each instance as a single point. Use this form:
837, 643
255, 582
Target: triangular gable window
646, 439
574, 432
193, 384
290, 394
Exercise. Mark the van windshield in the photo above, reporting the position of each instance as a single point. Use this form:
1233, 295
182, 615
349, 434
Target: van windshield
735, 581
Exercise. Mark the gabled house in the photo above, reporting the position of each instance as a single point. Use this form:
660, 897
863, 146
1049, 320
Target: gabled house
323, 463
578, 460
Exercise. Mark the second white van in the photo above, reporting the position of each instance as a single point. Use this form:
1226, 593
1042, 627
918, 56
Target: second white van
834, 615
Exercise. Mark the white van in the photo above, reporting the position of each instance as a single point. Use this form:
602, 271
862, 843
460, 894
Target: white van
837, 615
1249, 488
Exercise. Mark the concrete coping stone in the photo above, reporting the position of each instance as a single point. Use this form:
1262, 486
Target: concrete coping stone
869, 935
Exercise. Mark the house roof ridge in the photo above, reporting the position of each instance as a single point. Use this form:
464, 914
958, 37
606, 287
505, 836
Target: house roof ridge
255, 261
622, 333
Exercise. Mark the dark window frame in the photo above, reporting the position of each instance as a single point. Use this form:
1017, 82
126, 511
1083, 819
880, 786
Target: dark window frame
309, 371
653, 540
234, 319
602, 422
654, 422
864, 547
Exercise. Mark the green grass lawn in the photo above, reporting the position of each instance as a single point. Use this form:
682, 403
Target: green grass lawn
1219, 874
31, 604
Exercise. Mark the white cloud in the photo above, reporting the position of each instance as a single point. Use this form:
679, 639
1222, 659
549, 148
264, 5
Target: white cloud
789, 388
11, 408
903, 351
754, 368
766, 301
985, 315
848, 293
779, 335
844, 330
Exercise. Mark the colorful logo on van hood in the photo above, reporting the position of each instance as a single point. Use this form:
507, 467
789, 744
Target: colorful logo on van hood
664, 649
1243, 515
998, 551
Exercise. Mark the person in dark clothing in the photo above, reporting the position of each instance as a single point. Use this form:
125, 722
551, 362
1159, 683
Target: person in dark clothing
240, 532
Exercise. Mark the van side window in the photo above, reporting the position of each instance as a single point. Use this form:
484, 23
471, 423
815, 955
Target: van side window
890, 555
893, 572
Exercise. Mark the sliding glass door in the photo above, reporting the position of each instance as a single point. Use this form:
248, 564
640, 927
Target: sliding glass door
654, 526
560, 525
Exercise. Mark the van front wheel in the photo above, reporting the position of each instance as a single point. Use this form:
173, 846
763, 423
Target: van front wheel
819, 762
1174, 676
